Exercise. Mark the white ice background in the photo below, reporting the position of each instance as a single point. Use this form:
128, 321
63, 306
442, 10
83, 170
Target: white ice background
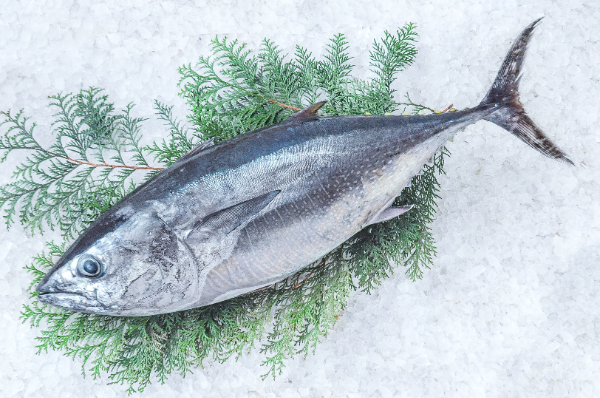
511, 307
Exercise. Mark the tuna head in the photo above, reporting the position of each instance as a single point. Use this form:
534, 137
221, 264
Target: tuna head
128, 263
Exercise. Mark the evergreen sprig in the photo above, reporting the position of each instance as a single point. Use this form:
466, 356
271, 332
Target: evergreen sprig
236, 91
179, 141
91, 164
82, 173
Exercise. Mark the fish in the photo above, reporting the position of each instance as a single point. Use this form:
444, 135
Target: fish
230, 218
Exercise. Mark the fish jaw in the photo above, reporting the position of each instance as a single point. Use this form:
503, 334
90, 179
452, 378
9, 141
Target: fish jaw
73, 302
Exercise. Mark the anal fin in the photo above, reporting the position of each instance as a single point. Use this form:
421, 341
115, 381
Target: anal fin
389, 213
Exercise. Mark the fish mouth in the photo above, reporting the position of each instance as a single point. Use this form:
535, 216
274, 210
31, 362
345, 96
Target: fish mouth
71, 301
51, 291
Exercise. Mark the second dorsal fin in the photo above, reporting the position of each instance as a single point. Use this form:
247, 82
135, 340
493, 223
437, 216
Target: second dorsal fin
308, 112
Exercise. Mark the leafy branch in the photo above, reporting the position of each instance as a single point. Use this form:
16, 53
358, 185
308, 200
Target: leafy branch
58, 186
179, 141
91, 165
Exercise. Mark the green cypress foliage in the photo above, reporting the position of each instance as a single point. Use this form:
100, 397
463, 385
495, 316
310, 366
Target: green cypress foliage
97, 158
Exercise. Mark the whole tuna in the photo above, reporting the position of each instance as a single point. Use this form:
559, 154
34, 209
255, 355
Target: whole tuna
230, 218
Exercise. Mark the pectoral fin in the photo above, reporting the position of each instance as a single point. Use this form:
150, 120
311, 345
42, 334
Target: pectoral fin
218, 225
389, 213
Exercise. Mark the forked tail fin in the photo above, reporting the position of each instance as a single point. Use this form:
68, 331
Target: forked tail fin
505, 95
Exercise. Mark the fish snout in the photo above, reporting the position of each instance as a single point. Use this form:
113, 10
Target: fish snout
59, 282
53, 282
67, 296
53, 286
45, 286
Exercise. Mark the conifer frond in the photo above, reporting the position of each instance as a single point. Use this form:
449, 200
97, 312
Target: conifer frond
179, 141
68, 184
90, 167
392, 55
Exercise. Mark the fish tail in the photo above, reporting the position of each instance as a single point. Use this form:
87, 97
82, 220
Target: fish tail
504, 94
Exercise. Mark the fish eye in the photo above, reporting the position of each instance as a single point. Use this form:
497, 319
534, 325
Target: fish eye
89, 266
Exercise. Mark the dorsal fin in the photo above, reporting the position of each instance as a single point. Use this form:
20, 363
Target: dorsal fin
308, 112
202, 146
